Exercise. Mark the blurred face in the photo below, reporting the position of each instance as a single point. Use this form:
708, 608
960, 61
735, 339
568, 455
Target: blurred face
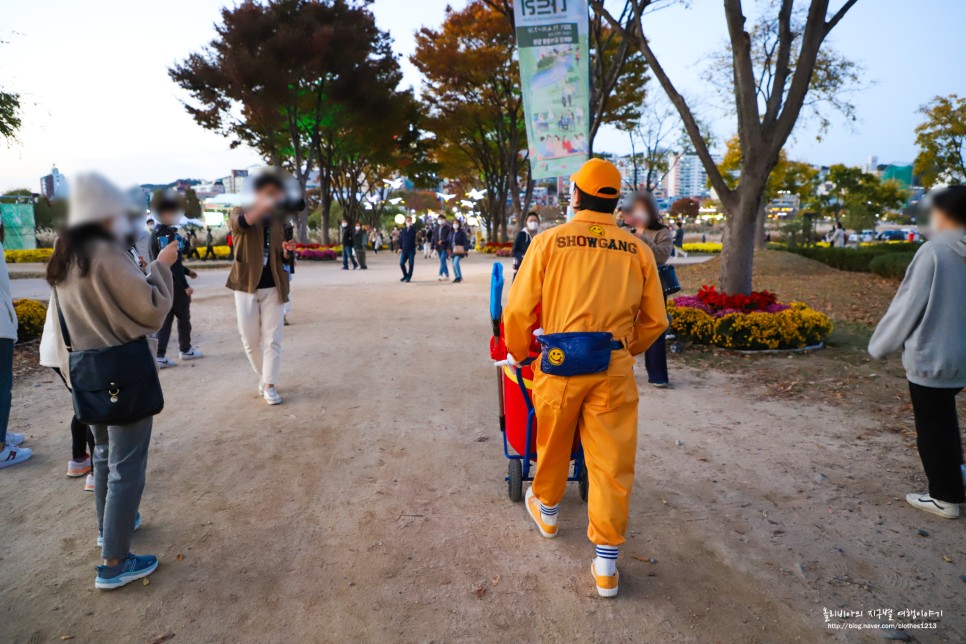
169, 217
939, 221
271, 192
441, 221
409, 222
532, 223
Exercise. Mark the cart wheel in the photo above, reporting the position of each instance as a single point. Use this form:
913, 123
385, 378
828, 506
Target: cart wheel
583, 485
514, 480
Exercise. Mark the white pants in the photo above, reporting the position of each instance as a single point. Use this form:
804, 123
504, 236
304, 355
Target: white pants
260, 323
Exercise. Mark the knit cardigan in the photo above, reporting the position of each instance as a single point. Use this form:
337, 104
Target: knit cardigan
113, 304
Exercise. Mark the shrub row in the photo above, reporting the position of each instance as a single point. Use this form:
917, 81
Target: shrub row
857, 260
31, 315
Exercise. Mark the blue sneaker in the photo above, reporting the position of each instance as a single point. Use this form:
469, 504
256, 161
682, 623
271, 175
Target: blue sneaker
134, 567
137, 524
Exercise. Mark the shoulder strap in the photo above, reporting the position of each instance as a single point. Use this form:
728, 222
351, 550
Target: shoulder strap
63, 324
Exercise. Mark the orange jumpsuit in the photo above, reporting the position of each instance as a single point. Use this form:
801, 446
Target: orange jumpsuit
588, 275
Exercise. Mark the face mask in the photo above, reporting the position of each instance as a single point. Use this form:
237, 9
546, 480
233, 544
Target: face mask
441, 222
409, 224
345, 224
532, 225
358, 228
120, 227
456, 226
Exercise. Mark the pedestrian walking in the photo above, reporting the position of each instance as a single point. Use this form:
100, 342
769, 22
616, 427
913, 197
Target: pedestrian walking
460, 246
103, 300
348, 244
407, 247
444, 242
523, 239
927, 322
209, 244
601, 304
168, 208
394, 240
644, 219
11, 453
360, 240
427, 242
679, 240
192, 243
259, 280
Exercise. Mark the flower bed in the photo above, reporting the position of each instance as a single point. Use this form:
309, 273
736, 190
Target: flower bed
752, 322
34, 256
315, 255
702, 247
495, 248
31, 315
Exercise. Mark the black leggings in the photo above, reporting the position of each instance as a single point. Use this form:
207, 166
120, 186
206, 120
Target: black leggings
81, 437
938, 440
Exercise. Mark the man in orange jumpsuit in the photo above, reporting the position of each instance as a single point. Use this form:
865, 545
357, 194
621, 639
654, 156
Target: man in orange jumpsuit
601, 304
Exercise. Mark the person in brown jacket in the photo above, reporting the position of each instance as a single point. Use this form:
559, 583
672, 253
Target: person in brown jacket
644, 218
106, 301
259, 280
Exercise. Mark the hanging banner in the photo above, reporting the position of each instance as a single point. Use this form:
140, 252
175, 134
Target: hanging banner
18, 226
552, 39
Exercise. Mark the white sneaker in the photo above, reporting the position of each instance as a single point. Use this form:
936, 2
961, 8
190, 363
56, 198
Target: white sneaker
89, 483
271, 396
191, 354
14, 439
164, 363
12, 455
934, 506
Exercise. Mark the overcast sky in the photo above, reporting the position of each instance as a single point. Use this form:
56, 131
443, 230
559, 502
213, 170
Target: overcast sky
93, 80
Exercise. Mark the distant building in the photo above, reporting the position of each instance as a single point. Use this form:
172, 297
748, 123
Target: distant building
872, 164
687, 177
53, 185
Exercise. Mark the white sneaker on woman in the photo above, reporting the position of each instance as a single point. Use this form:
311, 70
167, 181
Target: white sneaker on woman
271, 396
934, 506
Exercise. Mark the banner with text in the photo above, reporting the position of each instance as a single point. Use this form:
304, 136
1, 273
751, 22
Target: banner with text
552, 39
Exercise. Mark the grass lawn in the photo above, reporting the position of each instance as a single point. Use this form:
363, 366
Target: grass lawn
843, 374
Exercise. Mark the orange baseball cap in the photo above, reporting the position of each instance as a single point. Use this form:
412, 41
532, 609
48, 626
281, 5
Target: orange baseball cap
598, 178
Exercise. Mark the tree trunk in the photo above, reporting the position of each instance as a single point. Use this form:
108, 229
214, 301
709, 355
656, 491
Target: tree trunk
738, 252
760, 222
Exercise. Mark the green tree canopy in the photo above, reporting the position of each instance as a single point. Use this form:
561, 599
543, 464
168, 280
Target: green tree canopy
942, 141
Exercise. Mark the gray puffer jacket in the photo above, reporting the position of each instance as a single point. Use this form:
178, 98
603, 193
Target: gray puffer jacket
927, 318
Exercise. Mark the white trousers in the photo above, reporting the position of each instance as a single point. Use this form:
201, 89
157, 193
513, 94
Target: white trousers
260, 323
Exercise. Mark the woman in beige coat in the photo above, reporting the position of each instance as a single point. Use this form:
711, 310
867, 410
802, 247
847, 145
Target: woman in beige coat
644, 218
106, 301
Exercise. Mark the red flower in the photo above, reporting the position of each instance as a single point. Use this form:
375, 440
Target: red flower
756, 301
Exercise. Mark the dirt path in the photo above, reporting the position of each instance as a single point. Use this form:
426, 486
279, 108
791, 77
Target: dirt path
371, 505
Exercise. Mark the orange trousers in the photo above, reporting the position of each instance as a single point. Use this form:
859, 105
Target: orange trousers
604, 407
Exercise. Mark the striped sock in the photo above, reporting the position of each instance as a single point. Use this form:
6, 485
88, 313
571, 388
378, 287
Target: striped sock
549, 513
606, 562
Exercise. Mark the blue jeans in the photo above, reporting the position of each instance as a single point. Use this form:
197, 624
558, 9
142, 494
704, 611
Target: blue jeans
6, 385
443, 266
120, 460
407, 257
655, 361
457, 273
347, 255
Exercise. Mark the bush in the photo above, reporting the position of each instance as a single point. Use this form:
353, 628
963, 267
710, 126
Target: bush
37, 256
891, 265
31, 315
857, 260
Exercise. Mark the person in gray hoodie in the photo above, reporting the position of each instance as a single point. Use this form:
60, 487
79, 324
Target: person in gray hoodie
927, 321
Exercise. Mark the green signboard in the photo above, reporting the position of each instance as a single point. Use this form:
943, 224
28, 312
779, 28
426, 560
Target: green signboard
18, 226
555, 80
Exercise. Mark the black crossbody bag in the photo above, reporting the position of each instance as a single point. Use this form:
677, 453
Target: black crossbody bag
114, 385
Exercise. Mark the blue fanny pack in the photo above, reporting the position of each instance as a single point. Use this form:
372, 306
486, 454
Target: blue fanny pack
576, 354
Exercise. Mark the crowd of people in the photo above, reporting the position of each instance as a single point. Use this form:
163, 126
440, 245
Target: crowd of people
591, 290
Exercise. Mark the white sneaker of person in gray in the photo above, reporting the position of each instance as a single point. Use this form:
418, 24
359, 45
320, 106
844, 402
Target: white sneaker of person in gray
933, 506
191, 354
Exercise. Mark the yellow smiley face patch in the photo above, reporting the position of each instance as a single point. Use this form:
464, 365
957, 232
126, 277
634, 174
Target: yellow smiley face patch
556, 357
597, 229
